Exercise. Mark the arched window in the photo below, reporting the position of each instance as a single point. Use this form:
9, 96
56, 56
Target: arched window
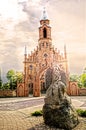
45, 33
30, 67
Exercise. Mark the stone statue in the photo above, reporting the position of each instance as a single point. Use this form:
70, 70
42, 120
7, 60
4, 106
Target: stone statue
58, 110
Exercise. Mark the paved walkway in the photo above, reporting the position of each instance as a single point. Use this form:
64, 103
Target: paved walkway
17, 104
21, 119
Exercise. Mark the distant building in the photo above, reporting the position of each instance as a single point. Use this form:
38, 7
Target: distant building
38, 63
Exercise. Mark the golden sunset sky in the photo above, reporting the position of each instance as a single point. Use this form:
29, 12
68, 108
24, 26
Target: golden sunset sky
19, 22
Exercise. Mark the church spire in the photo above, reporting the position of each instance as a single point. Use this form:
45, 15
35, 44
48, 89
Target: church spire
66, 63
65, 53
44, 15
25, 51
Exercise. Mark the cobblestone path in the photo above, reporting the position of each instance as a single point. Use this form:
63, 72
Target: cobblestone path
17, 120
16, 115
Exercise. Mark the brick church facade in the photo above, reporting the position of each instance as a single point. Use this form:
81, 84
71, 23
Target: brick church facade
38, 62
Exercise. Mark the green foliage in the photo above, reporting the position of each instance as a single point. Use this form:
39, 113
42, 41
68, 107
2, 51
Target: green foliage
10, 74
14, 77
19, 76
0, 84
74, 78
37, 113
83, 79
81, 112
84, 71
6, 86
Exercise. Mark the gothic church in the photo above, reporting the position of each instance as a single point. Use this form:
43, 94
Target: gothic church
38, 62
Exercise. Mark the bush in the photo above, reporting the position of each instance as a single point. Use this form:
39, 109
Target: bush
81, 112
37, 113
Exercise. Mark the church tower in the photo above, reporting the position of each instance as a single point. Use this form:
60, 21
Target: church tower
44, 32
44, 29
45, 55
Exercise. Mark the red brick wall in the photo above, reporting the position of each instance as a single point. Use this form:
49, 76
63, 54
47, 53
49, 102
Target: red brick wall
73, 89
20, 90
82, 91
7, 93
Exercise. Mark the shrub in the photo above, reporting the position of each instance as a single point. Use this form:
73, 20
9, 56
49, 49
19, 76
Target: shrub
37, 113
81, 112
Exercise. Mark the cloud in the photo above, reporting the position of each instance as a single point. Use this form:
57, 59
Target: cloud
20, 28
77, 63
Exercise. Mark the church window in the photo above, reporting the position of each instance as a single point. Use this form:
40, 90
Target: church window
46, 44
42, 44
45, 33
31, 67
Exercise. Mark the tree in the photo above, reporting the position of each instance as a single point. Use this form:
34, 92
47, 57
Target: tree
6, 85
19, 76
76, 78
10, 74
84, 71
0, 80
0, 84
14, 77
83, 79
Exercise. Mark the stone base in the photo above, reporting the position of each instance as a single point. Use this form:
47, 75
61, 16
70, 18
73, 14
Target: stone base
60, 116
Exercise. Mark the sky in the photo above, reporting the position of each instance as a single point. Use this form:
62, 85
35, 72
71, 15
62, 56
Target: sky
19, 22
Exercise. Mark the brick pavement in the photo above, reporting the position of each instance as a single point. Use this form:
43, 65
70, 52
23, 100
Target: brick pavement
21, 119
18, 120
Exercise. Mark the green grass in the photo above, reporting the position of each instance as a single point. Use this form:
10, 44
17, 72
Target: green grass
81, 112
37, 113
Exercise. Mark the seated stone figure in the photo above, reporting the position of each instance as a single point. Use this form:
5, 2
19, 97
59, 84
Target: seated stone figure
58, 110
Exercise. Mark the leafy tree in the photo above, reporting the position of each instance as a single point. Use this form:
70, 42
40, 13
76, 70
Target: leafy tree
14, 77
0, 80
0, 84
76, 78
84, 71
10, 74
79, 82
19, 76
83, 79
6, 85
